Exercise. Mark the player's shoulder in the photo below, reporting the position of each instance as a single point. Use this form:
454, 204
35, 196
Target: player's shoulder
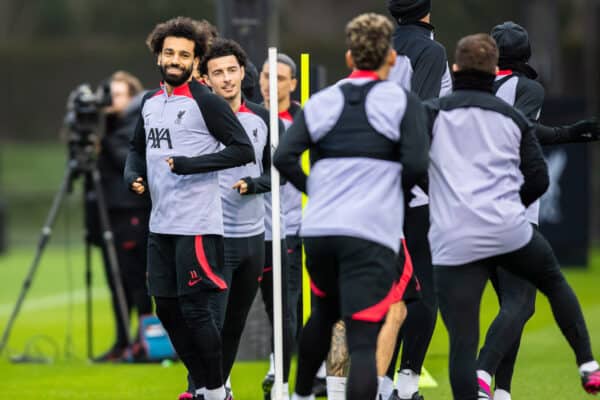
388, 93
295, 108
255, 110
207, 100
434, 47
150, 94
412, 41
530, 87
200, 90
326, 97
432, 51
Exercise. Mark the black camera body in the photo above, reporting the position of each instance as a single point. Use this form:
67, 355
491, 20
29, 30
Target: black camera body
84, 111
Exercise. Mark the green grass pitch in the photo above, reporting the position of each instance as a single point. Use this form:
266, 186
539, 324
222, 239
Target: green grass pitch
545, 370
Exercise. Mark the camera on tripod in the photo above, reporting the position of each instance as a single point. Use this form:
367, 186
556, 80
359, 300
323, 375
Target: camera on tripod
84, 123
84, 110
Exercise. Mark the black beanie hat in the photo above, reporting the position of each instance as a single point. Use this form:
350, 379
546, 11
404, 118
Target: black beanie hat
409, 10
513, 42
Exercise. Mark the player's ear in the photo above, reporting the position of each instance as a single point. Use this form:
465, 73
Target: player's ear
391, 57
196, 62
349, 60
455, 68
293, 84
243, 70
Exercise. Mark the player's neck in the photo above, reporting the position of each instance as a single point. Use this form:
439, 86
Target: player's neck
284, 105
383, 72
235, 103
170, 88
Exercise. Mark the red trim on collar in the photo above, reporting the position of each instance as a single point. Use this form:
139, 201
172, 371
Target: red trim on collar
244, 108
286, 115
360, 73
504, 72
183, 90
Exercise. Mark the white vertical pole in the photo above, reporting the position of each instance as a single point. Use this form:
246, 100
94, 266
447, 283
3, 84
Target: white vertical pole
276, 225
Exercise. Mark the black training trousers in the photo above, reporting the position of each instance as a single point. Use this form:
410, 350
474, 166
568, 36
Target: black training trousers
459, 290
242, 271
244, 260
517, 305
294, 290
189, 322
266, 289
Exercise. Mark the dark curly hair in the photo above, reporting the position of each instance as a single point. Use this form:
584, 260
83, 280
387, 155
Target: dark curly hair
223, 48
181, 27
369, 38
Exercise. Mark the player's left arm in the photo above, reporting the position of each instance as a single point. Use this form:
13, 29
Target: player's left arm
530, 98
586, 130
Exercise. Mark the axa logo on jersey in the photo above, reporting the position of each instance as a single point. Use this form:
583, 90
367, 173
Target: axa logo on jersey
156, 136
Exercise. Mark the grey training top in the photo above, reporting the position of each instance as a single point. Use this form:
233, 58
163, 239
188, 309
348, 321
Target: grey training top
190, 126
244, 215
368, 142
486, 165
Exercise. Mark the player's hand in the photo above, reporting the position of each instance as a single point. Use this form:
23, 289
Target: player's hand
171, 163
587, 130
138, 186
241, 186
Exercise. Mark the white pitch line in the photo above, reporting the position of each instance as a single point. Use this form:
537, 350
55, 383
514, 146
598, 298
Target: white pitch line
54, 301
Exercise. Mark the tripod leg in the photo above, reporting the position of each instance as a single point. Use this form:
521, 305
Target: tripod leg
88, 295
108, 238
43, 241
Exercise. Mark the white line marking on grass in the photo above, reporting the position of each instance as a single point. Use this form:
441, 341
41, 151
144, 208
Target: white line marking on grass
54, 301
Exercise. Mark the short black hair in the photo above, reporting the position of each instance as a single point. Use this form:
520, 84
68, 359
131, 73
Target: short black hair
223, 48
181, 27
284, 59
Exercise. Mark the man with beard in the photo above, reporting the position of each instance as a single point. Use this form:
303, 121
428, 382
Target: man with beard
185, 134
